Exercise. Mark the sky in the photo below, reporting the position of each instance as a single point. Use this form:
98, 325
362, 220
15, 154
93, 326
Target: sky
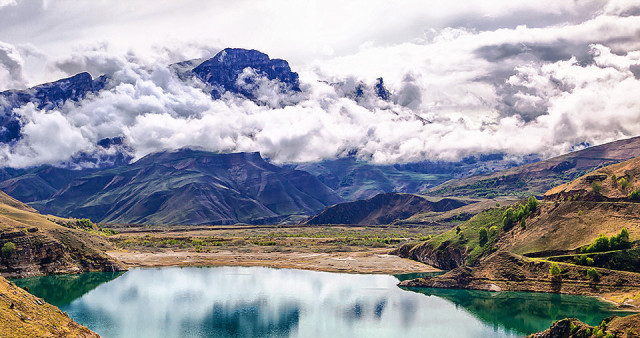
467, 77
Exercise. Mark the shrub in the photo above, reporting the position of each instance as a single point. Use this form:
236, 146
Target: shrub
623, 183
635, 195
573, 327
595, 187
598, 333
593, 274
483, 236
583, 260
8, 248
84, 223
609, 335
614, 180
493, 230
554, 270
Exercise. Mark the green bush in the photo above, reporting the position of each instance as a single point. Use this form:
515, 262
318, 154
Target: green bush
621, 240
483, 235
593, 274
554, 270
635, 195
595, 187
623, 183
8, 248
609, 335
614, 180
598, 333
603, 243
84, 223
583, 260
532, 202
493, 230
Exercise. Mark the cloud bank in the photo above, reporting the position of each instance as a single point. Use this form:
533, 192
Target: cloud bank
462, 85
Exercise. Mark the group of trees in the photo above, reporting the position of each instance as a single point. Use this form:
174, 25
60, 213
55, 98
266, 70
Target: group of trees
513, 216
604, 243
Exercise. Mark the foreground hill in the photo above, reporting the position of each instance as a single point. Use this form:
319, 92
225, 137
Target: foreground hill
588, 227
384, 209
613, 326
33, 244
24, 315
536, 178
192, 187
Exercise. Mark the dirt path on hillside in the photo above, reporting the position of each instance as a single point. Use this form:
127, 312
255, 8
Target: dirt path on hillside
355, 262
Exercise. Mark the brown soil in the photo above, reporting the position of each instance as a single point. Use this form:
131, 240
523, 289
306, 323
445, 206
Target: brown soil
372, 261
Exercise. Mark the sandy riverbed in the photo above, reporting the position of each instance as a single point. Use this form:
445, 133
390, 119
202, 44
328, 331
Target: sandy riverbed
357, 262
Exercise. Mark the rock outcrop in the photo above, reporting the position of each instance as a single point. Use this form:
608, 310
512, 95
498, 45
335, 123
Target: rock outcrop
238, 71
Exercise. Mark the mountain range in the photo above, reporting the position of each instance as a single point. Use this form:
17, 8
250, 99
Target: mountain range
197, 187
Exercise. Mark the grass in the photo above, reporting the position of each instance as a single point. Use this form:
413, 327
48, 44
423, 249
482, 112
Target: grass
273, 238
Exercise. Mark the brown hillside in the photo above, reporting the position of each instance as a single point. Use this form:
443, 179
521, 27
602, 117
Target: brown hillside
24, 315
43, 247
610, 188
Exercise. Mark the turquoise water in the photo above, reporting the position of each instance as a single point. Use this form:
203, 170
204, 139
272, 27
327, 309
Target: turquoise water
266, 302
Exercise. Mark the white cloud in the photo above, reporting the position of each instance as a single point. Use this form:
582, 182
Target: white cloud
483, 85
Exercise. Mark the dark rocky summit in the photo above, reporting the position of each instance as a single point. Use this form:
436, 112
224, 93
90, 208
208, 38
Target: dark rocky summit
45, 96
223, 72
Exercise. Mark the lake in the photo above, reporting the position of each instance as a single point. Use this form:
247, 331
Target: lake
266, 302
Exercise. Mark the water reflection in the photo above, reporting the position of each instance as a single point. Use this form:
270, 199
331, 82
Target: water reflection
260, 302
60, 290
524, 311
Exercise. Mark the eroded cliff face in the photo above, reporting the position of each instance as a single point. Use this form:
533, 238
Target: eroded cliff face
32, 244
37, 253
443, 256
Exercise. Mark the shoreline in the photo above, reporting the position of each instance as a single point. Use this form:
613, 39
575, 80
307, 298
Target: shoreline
373, 261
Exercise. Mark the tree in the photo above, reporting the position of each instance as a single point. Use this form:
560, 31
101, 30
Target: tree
532, 202
8, 248
595, 186
634, 195
483, 236
593, 274
554, 270
601, 243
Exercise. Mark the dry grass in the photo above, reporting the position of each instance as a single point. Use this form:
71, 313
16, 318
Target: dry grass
24, 315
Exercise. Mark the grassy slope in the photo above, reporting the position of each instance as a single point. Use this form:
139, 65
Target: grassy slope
24, 315
570, 217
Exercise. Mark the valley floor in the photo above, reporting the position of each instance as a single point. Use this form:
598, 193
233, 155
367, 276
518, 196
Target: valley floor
373, 261
356, 249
